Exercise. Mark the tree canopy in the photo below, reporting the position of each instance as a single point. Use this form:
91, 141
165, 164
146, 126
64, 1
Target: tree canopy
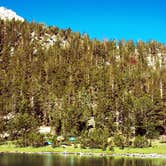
62, 78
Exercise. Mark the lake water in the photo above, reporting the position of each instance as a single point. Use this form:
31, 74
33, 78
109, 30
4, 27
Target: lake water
72, 160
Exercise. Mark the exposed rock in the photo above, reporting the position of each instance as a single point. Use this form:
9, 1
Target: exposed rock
60, 138
45, 129
91, 122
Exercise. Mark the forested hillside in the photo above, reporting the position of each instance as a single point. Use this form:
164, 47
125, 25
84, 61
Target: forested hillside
60, 78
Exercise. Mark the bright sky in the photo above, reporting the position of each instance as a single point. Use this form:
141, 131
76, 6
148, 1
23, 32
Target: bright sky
111, 19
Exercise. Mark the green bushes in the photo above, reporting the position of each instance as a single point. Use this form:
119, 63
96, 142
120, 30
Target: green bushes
110, 143
21, 125
119, 140
141, 142
24, 129
60, 140
152, 133
95, 139
163, 139
31, 139
55, 144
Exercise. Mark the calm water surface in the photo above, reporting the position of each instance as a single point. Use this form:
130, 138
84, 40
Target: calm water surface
71, 160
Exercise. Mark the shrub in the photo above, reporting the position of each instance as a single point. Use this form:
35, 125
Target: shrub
21, 125
58, 141
31, 139
55, 143
119, 140
110, 143
141, 142
163, 139
95, 139
152, 133
87, 142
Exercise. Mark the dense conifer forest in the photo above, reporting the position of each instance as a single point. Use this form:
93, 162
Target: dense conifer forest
63, 79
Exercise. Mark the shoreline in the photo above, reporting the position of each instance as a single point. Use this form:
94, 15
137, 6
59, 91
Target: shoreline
156, 151
91, 154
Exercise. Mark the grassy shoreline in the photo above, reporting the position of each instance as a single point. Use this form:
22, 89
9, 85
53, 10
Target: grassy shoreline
154, 151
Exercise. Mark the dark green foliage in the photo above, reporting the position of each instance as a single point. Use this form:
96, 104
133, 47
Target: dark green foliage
152, 133
55, 143
21, 125
2, 125
96, 139
31, 139
119, 140
141, 142
3, 131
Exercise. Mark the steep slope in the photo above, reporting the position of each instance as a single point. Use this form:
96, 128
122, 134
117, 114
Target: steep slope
64, 79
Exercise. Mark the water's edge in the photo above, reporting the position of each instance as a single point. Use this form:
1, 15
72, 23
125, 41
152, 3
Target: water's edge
135, 155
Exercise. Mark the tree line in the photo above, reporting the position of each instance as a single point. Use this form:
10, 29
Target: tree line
59, 78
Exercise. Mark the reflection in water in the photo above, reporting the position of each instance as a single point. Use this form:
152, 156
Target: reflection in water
71, 160
48, 160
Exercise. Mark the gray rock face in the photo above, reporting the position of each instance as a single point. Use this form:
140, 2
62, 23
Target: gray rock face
91, 122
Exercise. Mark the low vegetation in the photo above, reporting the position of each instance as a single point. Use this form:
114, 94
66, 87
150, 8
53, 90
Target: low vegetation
157, 148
